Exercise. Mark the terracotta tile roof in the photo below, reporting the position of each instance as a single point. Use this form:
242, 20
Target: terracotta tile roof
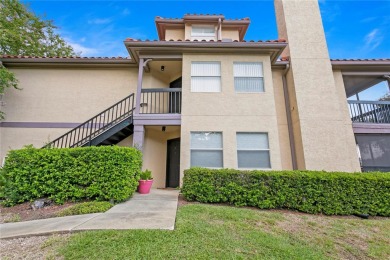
69, 57
360, 59
188, 40
203, 16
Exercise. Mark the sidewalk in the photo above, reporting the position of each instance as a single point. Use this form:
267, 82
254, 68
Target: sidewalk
156, 210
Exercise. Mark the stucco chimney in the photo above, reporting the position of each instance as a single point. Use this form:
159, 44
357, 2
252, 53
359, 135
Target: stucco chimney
321, 124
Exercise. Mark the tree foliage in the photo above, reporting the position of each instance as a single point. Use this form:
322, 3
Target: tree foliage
386, 97
24, 33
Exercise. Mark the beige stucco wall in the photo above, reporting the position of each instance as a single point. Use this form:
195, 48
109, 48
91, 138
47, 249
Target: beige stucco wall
281, 117
229, 112
16, 138
230, 34
64, 95
322, 129
155, 151
174, 34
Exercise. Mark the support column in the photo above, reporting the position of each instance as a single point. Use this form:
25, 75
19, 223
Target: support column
138, 137
139, 85
388, 81
321, 125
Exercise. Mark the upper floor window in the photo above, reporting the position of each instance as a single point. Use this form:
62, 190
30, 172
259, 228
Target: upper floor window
203, 32
248, 77
205, 76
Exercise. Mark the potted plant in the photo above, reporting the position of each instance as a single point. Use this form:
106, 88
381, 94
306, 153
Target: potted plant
145, 182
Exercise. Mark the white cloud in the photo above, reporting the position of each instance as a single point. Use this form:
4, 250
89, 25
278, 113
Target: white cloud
373, 39
82, 50
99, 21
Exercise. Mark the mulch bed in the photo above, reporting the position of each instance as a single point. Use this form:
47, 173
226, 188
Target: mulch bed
24, 212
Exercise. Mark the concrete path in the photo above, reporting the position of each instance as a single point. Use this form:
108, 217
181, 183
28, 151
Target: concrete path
156, 210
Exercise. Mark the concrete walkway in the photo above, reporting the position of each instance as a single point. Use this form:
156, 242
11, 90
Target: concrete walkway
156, 210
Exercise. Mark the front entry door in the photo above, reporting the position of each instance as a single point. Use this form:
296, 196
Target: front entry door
173, 163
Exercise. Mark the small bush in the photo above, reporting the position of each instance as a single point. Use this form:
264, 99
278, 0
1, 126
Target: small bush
307, 191
94, 173
85, 208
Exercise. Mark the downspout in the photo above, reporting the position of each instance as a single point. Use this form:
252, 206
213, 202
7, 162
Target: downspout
219, 37
289, 119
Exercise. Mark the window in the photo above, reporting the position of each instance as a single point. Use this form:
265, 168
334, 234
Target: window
253, 150
248, 77
203, 32
206, 149
205, 77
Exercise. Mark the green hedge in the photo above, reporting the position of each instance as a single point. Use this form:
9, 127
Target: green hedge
307, 191
99, 173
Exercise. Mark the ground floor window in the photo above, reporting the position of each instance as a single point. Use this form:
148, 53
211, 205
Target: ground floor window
206, 149
374, 151
253, 150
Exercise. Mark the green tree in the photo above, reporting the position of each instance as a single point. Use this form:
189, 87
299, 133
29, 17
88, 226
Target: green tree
24, 33
385, 97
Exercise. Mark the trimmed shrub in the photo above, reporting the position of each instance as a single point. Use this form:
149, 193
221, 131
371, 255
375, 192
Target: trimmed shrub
329, 193
94, 173
85, 208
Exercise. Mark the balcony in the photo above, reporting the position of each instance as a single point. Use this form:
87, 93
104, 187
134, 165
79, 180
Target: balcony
160, 101
377, 112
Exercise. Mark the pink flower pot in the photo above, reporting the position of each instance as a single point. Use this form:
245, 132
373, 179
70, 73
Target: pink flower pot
144, 186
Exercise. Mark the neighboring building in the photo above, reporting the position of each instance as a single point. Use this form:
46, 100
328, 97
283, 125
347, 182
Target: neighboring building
203, 96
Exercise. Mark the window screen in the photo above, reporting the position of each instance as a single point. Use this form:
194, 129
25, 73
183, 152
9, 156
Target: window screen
206, 149
248, 77
205, 77
253, 150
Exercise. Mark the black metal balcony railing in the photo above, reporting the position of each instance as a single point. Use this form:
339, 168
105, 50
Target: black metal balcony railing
95, 126
160, 101
369, 111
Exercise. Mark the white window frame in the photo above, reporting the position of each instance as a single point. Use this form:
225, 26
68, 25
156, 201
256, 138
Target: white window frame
200, 76
203, 35
260, 77
207, 149
268, 150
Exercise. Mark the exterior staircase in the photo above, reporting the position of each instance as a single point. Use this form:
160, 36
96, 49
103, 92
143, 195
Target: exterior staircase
106, 128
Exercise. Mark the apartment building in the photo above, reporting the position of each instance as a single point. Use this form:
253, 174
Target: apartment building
201, 95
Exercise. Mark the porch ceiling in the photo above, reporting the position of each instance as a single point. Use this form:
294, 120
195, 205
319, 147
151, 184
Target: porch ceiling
359, 75
168, 129
355, 84
172, 69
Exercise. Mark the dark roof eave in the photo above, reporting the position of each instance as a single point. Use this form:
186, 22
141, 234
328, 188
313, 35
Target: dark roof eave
379, 65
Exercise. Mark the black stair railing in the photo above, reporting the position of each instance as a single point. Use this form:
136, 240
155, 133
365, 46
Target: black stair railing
95, 126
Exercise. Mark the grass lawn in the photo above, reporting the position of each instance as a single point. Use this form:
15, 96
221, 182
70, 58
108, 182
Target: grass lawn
222, 232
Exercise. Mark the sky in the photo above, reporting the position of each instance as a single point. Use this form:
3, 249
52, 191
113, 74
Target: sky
353, 29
